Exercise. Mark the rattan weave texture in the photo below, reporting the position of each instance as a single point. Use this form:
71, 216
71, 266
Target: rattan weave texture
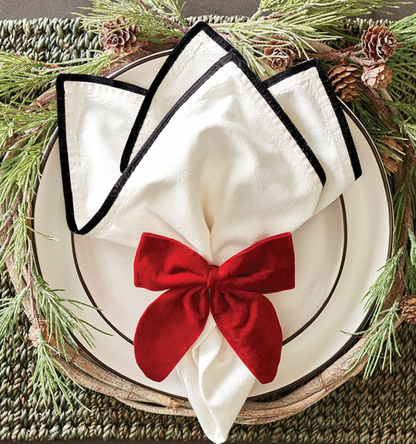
381, 410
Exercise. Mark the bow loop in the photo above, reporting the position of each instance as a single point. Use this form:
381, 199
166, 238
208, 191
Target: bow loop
245, 317
163, 263
266, 266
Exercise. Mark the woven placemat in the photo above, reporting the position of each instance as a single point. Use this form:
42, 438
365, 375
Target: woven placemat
381, 410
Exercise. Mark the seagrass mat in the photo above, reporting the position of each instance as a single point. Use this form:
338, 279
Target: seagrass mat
381, 410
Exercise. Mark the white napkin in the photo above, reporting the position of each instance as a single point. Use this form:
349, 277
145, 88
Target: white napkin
101, 113
221, 143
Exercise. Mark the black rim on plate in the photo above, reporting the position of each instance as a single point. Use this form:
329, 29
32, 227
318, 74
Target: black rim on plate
306, 377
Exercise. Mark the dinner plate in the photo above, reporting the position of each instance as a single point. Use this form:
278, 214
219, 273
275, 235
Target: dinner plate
338, 254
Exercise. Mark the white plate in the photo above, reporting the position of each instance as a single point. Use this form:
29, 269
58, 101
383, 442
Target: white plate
338, 254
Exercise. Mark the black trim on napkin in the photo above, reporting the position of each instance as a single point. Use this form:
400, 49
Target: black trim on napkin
335, 102
176, 52
63, 149
232, 56
87, 78
240, 61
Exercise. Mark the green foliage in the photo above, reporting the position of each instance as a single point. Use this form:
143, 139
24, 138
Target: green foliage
60, 317
25, 130
10, 309
20, 172
168, 8
22, 79
295, 21
381, 341
376, 295
252, 36
49, 377
26, 127
159, 20
338, 9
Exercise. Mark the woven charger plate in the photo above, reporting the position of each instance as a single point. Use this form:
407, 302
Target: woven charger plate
90, 372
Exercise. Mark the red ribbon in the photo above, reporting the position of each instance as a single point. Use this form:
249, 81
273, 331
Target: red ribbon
245, 317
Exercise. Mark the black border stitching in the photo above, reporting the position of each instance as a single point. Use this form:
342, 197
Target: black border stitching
87, 78
60, 96
173, 56
335, 102
232, 56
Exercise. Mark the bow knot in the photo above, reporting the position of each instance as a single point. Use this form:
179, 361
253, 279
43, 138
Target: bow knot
213, 279
245, 317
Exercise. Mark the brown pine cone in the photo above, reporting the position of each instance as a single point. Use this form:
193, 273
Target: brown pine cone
390, 162
408, 307
118, 38
379, 43
280, 54
344, 80
377, 76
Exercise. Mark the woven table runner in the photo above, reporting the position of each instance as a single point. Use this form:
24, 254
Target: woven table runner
380, 410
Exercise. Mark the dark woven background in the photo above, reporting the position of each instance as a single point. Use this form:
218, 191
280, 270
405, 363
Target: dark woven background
381, 410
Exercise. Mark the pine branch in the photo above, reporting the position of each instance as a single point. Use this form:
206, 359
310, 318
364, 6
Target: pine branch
61, 320
381, 343
169, 8
340, 8
22, 79
48, 379
377, 294
10, 310
159, 20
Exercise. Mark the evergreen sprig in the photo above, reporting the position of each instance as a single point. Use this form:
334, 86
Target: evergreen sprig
25, 131
61, 322
159, 20
340, 8
23, 79
376, 295
381, 342
10, 310
380, 337
27, 125
49, 377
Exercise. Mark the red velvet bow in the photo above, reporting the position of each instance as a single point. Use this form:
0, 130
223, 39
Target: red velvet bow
245, 317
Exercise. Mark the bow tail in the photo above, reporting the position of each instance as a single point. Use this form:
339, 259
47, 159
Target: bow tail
249, 323
168, 328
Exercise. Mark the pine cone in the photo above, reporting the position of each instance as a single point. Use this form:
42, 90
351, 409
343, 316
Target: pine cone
379, 43
408, 307
377, 76
344, 79
390, 162
118, 38
280, 54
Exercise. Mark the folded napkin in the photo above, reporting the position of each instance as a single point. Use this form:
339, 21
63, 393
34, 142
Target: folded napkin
214, 174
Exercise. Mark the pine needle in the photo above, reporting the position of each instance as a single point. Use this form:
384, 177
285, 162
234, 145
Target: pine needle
159, 20
381, 342
378, 292
62, 322
23, 79
49, 378
10, 309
